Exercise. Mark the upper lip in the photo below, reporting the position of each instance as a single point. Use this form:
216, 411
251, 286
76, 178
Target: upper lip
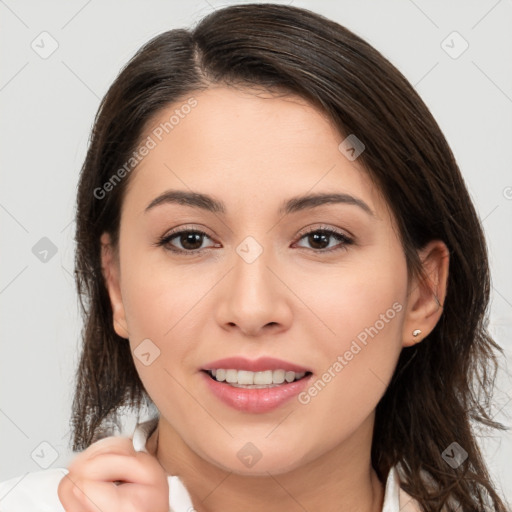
256, 365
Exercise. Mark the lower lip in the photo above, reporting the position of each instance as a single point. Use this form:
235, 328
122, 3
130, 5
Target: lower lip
255, 400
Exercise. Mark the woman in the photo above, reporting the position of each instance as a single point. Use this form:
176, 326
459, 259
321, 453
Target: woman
276, 248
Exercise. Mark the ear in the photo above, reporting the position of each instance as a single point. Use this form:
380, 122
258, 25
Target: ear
426, 296
110, 270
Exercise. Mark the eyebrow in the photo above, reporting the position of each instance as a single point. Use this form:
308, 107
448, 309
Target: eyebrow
292, 205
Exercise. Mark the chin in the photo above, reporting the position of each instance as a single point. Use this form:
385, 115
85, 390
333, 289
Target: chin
249, 461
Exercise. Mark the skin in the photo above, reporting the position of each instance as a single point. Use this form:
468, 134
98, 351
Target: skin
294, 302
89, 484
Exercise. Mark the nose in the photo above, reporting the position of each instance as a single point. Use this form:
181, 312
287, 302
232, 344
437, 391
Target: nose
254, 297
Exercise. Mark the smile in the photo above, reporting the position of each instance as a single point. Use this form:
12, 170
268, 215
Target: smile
255, 380
259, 397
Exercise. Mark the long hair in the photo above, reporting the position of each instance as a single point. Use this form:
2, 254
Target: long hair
440, 385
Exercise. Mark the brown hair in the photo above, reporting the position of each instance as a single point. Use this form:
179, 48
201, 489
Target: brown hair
440, 384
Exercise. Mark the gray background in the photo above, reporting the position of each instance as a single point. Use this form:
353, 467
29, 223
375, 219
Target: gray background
48, 105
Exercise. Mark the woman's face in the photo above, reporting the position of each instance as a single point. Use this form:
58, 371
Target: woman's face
265, 281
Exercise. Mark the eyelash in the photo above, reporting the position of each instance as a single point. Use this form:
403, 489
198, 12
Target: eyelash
166, 239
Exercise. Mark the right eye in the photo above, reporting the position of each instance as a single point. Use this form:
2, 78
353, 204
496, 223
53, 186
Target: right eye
190, 240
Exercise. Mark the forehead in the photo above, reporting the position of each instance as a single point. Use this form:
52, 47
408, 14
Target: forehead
246, 145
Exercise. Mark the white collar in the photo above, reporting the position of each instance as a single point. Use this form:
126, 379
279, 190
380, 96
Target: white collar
395, 498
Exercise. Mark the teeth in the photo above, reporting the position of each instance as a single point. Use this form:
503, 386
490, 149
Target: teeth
289, 376
247, 378
259, 377
231, 376
244, 377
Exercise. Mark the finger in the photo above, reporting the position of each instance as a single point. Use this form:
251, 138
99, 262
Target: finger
119, 445
70, 500
141, 468
97, 496
86, 496
104, 497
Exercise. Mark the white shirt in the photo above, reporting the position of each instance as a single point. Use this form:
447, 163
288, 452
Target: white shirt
37, 491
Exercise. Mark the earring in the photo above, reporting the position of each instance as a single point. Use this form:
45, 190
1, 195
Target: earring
416, 332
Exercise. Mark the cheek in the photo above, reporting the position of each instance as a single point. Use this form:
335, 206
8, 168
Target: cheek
161, 307
356, 373
159, 296
362, 299
363, 305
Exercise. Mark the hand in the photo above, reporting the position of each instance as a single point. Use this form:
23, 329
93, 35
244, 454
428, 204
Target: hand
110, 476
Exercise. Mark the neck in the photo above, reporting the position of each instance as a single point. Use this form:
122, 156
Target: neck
340, 480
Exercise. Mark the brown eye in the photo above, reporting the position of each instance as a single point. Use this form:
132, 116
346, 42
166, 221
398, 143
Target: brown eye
319, 240
190, 240
187, 241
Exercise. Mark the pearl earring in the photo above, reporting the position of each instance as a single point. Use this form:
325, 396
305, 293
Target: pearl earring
416, 332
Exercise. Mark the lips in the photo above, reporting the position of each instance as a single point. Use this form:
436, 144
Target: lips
254, 401
256, 398
257, 365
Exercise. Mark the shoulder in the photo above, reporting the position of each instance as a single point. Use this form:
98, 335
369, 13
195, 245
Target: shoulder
408, 503
395, 498
402, 501
32, 492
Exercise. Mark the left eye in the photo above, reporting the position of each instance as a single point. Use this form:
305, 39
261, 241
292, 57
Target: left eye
320, 236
